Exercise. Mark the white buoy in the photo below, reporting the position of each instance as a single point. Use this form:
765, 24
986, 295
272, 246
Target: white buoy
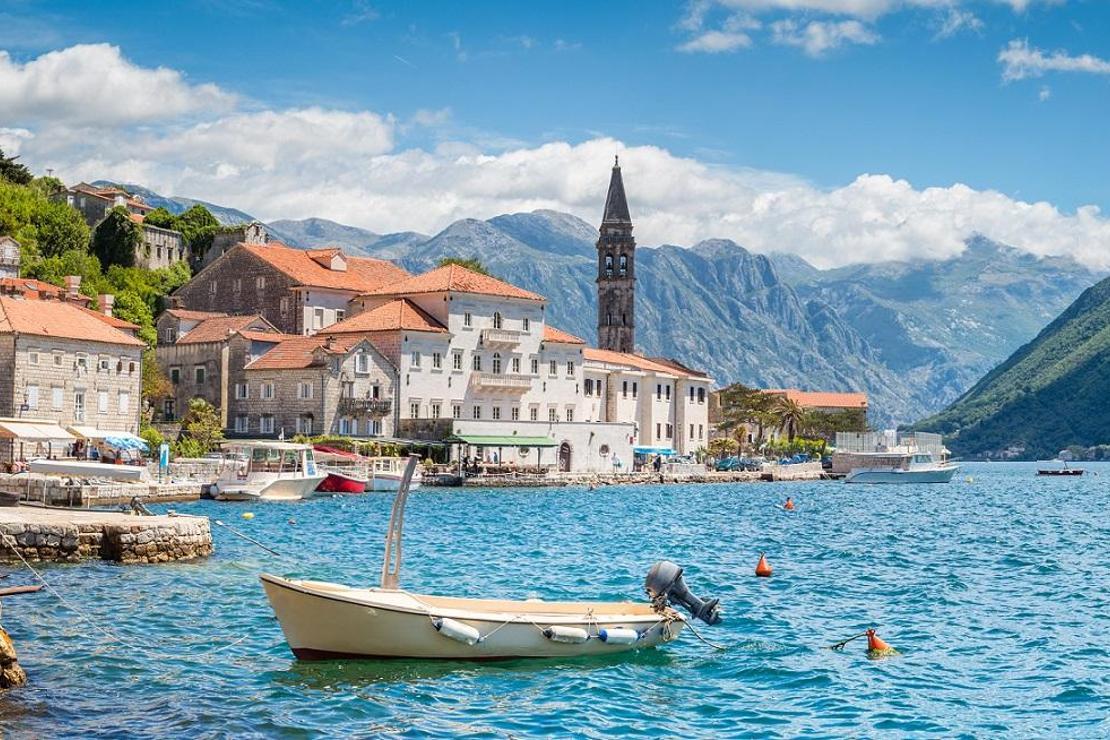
619, 636
457, 631
573, 635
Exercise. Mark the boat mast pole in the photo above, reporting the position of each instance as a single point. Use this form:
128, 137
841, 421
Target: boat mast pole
391, 565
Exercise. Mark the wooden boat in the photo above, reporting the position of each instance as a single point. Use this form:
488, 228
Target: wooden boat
267, 471
346, 472
323, 620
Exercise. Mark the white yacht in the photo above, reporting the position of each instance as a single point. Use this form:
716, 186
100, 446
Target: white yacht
267, 471
886, 457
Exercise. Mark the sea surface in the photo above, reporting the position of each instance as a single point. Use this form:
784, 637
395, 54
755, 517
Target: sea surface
995, 589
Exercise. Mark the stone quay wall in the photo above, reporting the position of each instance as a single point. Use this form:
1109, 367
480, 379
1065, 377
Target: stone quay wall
70, 537
52, 490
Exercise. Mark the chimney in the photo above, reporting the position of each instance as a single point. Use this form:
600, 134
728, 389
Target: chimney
73, 286
106, 302
329, 342
175, 301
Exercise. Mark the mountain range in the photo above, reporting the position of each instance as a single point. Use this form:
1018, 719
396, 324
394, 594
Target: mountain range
1048, 395
913, 335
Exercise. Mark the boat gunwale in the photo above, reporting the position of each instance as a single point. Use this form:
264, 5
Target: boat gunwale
486, 617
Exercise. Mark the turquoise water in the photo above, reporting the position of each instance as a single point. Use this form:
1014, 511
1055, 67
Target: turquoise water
995, 590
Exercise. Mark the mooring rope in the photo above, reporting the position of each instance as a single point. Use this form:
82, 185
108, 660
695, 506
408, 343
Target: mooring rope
840, 645
11, 542
251, 540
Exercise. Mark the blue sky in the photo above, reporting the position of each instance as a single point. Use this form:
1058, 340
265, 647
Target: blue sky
765, 93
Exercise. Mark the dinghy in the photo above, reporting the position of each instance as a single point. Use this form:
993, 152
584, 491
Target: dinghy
323, 621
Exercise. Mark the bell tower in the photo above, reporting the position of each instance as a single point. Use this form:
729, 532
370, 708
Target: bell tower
616, 271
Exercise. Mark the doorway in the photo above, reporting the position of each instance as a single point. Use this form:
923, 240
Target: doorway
564, 457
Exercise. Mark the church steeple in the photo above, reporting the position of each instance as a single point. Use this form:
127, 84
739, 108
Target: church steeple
616, 274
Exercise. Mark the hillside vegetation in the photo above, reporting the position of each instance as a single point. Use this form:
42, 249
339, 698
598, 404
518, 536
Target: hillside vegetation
1049, 394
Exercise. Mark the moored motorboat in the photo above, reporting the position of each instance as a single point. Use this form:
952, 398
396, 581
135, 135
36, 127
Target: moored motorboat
323, 620
346, 472
386, 474
890, 458
268, 471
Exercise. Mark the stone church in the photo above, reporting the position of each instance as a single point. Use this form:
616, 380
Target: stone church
616, 271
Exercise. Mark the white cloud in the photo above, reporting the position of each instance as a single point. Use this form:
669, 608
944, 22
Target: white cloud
1019, 61
819, 37
1044, 94
957, 21
715, 42
348, 166
93, 83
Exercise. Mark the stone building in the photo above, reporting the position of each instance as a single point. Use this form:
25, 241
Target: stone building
160, 247
206, 359
317, 385
94, 202
616, 271
9, 257
62, 365
298, 291
252, 233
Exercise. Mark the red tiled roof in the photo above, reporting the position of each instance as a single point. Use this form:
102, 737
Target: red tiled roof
57, 319
265, 336
456, 279
398, 314
29, 285
298, 352
551, 334
111, 320
184, 313
218, 328
639, 362
363, 274
821, 399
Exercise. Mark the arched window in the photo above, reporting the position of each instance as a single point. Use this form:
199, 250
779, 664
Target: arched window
608, 319
496, 319
497, 363
609, 265
624, 264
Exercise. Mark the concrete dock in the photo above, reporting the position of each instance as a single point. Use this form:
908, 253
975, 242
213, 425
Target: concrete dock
70, 536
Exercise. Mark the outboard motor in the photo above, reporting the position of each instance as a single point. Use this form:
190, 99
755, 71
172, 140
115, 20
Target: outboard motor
664, 583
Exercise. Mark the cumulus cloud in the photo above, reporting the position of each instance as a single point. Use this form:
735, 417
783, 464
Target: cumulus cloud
1019, 61
958, 21
354, 167
93, 83
715, 42
818, 37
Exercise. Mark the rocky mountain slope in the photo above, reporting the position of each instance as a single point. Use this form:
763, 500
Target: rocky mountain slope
1049, 394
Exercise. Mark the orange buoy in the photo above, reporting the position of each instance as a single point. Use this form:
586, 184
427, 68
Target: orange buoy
789, 505
877, 646
762, 568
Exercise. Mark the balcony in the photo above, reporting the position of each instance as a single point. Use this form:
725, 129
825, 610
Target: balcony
500, 337
497, 381
364, 406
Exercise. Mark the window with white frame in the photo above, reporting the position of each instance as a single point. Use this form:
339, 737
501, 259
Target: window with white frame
467, 319
362, 363
414, 360
476, 412
456, 360
701, 395
374, 427
569, 413
241, 391
318, 318
241, 424
516, 364
102, 402
198, 375
340, 314
437, 361
123, 403
33, 357
344, 425
414, 409
456, 411
56, 398
670, 431
570, 368
267, 391
304, 390
266, 424
496, 363
514, 413
260, 282
435, 410
535, 366
701, 431
32, 397
525, 324
59, 358
534, 413
668, 387
104, 364
283, 307
497, 323
304, 424
552, 414
82, 361
476, 362
496, 413
552, 368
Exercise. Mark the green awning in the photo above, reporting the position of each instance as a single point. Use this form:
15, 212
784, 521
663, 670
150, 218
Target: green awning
487, 440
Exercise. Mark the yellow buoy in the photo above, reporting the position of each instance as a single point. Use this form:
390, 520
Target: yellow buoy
248, 515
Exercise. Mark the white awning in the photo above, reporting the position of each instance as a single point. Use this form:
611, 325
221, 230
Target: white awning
32, 429
94, 433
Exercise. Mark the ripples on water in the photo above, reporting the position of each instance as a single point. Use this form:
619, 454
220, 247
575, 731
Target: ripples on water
995, 591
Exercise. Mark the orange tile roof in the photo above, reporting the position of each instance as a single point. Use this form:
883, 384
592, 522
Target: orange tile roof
218, 328
456, 279
184, 313
822, 399
57, 319
137, 217
111, 320
26, 286
639, 362
363, 274
265, 336
396, 315
551, 334
299, 352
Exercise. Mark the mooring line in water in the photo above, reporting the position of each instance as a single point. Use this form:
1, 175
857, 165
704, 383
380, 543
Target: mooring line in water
840, 645
251, 540
10, 541
697, 634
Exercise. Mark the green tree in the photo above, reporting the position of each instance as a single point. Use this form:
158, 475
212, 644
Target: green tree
201, 430
162, 218
13, 171
790, 415
467, 262
47, 186
44, 228
741, 407
117, 238
156, 385
723, 447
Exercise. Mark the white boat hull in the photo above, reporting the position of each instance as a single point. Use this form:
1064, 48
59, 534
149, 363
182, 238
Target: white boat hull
83, 469
940, 474
324, 621
274, 488
391, 482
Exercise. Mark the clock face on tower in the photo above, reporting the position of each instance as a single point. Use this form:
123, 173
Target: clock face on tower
616, 271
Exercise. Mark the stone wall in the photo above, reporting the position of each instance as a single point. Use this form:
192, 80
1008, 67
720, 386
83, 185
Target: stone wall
160, 248
53, 490
212, 289
141, 540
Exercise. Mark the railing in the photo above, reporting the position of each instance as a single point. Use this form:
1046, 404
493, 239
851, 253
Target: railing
496, 380
364, 406
500, 336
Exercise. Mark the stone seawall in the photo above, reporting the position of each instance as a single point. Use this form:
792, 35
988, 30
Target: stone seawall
797, 472
54, 490
64, 536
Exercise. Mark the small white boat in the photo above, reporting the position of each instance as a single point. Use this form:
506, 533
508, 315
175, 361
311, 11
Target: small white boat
324, 621
386, 474
87, 469
920, 467
267, 471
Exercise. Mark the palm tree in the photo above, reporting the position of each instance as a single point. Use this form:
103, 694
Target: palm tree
741, 406
790, 415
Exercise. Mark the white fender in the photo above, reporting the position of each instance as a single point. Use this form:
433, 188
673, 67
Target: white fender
457, 631
619, 636
574, 635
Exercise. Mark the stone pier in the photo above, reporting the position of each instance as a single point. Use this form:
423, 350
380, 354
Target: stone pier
70, 536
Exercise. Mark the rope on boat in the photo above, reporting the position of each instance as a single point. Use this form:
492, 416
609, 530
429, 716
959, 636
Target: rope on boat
697, 634
10, 541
